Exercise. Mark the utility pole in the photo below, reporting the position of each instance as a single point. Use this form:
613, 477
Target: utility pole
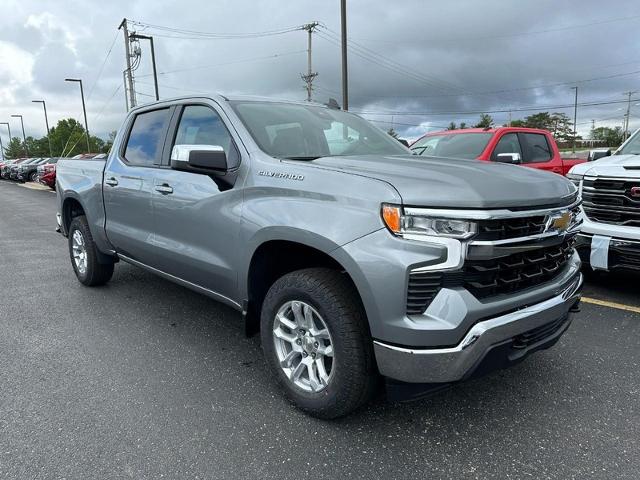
575, 119
345, 73
132, 93
153, 59
24, 137
311, 75
626, 121
46, 122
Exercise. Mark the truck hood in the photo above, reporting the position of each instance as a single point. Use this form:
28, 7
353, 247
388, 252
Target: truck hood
613, 166
455, 183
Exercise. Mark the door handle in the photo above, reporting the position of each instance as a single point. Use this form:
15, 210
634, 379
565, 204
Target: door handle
112, 182
164, 189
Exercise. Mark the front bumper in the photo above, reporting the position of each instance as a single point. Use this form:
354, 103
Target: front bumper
622, 254
514, 334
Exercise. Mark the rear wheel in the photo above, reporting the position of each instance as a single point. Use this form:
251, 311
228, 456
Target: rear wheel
33, 177
84, 255
317, 343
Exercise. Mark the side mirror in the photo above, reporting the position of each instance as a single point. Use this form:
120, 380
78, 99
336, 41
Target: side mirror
205, 159
513, 158
596, 154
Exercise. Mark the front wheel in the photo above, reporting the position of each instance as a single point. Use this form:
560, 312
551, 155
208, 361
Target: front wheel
33, 177
316, 340
84, 255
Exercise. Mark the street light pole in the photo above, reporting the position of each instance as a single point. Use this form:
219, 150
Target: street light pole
46, 122
24, 137
575, 119
8, 128
84, 109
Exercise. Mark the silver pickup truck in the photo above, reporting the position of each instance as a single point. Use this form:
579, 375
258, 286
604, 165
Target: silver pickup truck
355, 260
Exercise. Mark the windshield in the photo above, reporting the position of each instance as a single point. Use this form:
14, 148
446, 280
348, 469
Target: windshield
455, 145
631, 148
304, 132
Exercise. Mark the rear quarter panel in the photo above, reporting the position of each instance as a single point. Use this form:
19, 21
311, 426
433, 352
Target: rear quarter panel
81, 180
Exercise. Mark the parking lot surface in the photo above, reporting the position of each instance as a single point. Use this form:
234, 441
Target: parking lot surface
145, 379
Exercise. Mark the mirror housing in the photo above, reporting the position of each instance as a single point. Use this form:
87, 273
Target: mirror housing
206, 159
513, 158
596, 154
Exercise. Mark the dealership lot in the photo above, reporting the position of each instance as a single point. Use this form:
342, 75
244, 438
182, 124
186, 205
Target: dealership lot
145, 378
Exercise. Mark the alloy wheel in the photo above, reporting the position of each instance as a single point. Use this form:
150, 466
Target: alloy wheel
303, 345
79, 249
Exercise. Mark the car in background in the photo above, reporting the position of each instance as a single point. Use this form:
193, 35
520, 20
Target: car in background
609, 238
13, 169
529, 147
28, 172
4, 166
47, 173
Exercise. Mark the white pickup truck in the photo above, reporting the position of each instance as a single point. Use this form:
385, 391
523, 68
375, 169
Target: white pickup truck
610, 187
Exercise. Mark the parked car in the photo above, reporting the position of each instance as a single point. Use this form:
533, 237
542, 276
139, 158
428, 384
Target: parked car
27, 172
522, 146
47, 174
13, 169
610, 186
366, 262
4, 166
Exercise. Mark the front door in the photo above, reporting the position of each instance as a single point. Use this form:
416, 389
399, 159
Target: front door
197, 216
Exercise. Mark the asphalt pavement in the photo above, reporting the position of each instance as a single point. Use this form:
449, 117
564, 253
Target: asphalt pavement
145, 379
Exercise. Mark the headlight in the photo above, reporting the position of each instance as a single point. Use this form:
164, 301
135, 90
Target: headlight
400, 223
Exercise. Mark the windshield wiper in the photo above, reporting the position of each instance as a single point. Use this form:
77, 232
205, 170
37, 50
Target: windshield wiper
301, 158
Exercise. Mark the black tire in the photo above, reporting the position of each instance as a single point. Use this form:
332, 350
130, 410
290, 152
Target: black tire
33, 176
334, 297
95, 273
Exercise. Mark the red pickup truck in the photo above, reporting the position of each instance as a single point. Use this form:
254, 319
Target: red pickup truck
529, 147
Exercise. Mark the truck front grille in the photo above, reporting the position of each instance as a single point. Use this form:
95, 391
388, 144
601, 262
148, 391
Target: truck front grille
507, 228
516, 272
609, 200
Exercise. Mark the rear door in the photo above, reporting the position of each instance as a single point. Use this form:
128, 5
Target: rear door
197, 216
128, 182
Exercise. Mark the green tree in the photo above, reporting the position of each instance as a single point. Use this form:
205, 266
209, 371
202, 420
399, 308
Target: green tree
486, 121
613, 136
452, 126
517, 123
463, 125
15, 148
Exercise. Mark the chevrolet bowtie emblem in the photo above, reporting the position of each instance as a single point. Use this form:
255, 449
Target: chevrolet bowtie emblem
559, 222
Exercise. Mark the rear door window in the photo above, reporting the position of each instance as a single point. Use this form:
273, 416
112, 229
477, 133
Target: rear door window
535, 147
146, 138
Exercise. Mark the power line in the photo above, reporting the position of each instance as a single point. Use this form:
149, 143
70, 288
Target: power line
389, 64
255, 59
504, 110
195, 34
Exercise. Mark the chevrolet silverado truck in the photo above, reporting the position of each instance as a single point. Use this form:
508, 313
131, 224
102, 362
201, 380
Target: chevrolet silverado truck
529, 147
354, 259
610, 187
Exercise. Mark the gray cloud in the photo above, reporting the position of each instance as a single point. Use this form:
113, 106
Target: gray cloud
438, 56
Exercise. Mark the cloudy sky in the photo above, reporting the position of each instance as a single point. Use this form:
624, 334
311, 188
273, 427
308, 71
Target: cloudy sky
414, 64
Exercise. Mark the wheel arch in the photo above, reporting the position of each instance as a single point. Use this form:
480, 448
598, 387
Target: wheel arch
272, 258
